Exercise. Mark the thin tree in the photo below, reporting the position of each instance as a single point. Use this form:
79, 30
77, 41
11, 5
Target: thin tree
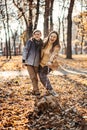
51, 14
26, 13
69, 30
46, 18
36, 15
3, 15
8, 29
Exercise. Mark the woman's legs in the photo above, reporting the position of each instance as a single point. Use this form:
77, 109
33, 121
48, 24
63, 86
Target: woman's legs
32, 70
44, 79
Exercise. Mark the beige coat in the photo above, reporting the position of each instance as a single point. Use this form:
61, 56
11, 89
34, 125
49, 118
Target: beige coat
49, 58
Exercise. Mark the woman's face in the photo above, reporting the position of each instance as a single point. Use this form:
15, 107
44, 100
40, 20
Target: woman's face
52, 37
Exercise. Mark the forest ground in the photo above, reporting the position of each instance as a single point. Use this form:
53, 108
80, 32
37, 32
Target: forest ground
19, 108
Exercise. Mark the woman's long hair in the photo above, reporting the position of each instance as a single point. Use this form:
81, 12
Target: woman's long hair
55, 43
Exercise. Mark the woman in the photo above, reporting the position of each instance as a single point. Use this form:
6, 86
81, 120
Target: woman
31, 58
49, 52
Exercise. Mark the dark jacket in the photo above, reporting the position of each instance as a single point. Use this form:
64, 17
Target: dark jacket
32, 52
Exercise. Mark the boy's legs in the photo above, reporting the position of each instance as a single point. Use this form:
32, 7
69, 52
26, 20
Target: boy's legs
32, 70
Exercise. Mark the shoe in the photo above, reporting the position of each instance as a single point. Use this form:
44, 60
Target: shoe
53, 93
36, 93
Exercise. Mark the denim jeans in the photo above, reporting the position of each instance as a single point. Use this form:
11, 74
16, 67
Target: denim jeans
43, 72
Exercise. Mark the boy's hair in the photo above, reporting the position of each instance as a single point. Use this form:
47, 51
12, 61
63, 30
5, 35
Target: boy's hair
36, 30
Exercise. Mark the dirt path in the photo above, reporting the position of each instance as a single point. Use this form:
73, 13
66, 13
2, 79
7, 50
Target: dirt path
60, 71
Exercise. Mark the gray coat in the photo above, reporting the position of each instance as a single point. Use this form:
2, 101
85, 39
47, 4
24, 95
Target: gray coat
32, 52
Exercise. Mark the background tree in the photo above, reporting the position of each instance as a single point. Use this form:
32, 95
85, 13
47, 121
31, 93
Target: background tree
37, 14
29, 12
62, 24
51, 14
46, 18
26, 14
3, 16
69, 30
7, 16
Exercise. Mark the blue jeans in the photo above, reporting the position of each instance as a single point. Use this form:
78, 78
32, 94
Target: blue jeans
43, 72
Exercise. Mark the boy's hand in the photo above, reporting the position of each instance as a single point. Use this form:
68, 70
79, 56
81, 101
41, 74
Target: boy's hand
23, 63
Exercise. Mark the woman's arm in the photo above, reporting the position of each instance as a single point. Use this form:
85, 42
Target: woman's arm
54, 54
53, 61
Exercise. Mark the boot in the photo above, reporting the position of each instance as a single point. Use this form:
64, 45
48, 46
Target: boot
36, 92
53, 93
35, 87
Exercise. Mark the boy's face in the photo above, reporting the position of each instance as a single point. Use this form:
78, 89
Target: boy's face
37, 35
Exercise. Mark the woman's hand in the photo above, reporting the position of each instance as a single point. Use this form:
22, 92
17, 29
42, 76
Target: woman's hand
53, 65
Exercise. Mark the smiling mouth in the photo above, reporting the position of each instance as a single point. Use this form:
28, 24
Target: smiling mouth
51, 40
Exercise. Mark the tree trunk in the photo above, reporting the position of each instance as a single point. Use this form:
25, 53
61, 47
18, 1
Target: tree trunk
28, 18
82, 44
6, 42
69, 30
8, 29
46, 18
63, 33
37, 14
51, 14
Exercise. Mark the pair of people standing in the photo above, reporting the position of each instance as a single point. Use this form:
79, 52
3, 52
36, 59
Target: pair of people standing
38, 56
